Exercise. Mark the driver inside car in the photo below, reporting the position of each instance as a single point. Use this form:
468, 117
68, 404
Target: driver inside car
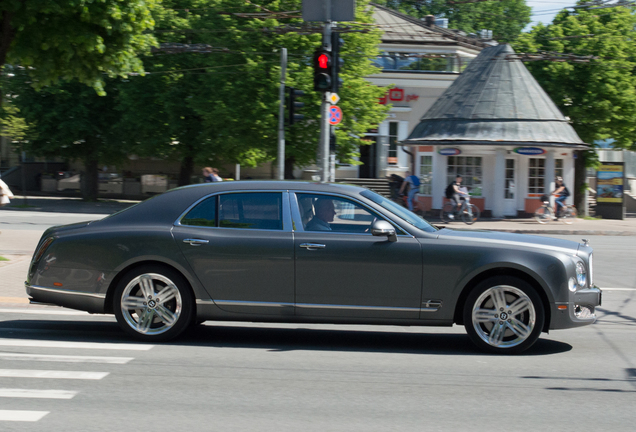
325, 212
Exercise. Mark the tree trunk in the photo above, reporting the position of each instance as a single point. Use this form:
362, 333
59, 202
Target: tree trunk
186, 170
7, 34
90, 179
579, 181
290, 162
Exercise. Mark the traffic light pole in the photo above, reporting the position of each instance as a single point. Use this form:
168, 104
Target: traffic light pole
281, 116
324, 113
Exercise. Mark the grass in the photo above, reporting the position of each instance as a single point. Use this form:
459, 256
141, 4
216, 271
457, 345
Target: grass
3, 258
591, 217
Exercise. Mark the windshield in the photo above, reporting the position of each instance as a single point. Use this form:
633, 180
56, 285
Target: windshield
399, 211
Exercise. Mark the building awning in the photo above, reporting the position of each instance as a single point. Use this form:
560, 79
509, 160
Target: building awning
495, 101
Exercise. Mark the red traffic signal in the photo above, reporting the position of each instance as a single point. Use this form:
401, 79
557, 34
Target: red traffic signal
322, 71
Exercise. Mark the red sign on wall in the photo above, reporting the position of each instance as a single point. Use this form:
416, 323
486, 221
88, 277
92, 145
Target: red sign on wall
397, 95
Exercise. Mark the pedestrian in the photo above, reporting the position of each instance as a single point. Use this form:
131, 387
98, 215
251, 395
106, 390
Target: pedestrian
5, 194
211, 175
413, 183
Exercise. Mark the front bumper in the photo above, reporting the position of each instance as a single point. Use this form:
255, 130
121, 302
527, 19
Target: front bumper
579, 311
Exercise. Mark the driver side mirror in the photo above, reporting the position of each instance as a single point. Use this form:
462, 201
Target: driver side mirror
385, 229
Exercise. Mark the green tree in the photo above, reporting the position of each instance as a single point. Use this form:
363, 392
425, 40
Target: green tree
599, 97
75, 39
222, 107
506, 18
70, 121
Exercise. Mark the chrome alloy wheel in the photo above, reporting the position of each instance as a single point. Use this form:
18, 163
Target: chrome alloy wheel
151, 304
503, 316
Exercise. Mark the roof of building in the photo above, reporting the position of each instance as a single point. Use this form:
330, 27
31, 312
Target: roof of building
495, 101
402, 28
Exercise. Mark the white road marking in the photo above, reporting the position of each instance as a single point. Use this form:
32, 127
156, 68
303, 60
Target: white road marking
43, 312
37, 394
65, 358
618, 289
25, 416
54, 374
73, 345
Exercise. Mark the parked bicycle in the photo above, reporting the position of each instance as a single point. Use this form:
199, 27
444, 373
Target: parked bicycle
469, 213
545, 213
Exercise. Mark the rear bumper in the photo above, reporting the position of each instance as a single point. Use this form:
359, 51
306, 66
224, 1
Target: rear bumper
579, 311
89, 302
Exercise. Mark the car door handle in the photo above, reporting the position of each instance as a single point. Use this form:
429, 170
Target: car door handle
196, 242
312, 246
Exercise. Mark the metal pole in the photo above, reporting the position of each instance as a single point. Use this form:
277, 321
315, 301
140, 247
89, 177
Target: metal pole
281, 116
324, 109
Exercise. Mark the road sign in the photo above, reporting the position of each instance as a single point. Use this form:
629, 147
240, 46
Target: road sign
333, 98
335, 115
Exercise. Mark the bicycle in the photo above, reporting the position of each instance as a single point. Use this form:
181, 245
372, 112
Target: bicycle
545, 213
468, 212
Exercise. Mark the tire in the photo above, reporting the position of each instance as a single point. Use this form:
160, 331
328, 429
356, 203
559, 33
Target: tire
569, 215
543, 215
503, 315
470, 214
148, 316
447, 213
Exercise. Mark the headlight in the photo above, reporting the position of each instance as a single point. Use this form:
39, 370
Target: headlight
590, 266
581, 274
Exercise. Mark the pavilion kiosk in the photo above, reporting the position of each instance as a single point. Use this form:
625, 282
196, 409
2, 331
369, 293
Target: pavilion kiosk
499, 129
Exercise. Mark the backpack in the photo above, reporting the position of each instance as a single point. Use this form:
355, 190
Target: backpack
565, 192
449, 191
416, 180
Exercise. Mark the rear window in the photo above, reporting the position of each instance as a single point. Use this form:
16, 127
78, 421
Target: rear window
251, 210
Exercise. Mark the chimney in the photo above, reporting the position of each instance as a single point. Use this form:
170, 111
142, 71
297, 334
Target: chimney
429, 20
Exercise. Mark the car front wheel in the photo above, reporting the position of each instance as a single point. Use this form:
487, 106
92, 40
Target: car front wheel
504, 315
153, 303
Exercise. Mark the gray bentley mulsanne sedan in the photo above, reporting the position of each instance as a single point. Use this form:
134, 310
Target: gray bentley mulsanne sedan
300, 252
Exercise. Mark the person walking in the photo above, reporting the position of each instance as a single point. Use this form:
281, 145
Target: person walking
5, 194
413, 183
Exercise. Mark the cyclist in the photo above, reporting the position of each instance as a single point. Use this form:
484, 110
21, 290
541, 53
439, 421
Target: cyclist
455, 194
561, 193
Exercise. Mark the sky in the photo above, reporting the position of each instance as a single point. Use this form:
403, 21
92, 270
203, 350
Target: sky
545, 10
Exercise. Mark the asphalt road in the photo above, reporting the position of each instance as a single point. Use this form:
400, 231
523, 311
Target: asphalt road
70, 371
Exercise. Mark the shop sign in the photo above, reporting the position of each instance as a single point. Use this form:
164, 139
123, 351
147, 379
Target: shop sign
529, 151
397, 95
449, 151
609, 183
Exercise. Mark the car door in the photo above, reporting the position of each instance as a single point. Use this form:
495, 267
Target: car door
240, 246
342, 270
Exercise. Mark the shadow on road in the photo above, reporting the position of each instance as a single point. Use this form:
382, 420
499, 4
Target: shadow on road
222, 335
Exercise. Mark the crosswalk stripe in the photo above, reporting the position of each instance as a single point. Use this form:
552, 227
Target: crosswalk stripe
55, 374
65, 358
37, 394
36, 311
73, 345
16, 415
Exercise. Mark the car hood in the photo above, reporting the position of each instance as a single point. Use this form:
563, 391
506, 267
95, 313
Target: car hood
497, 237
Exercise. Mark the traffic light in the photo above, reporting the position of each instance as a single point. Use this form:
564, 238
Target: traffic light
293, 105
337, 61
322, 71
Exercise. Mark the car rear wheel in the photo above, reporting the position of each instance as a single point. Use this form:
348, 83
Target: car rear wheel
504, 315
153, 303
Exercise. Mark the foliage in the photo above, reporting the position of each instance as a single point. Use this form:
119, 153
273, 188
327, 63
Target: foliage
15, 126
69, 121
506, 18
75, 39
599, 97
222, 107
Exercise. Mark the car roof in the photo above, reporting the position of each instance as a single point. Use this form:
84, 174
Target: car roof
167, 207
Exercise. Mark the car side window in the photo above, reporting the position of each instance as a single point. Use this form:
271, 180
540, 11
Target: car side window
203, 214
332, 213
257, 210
